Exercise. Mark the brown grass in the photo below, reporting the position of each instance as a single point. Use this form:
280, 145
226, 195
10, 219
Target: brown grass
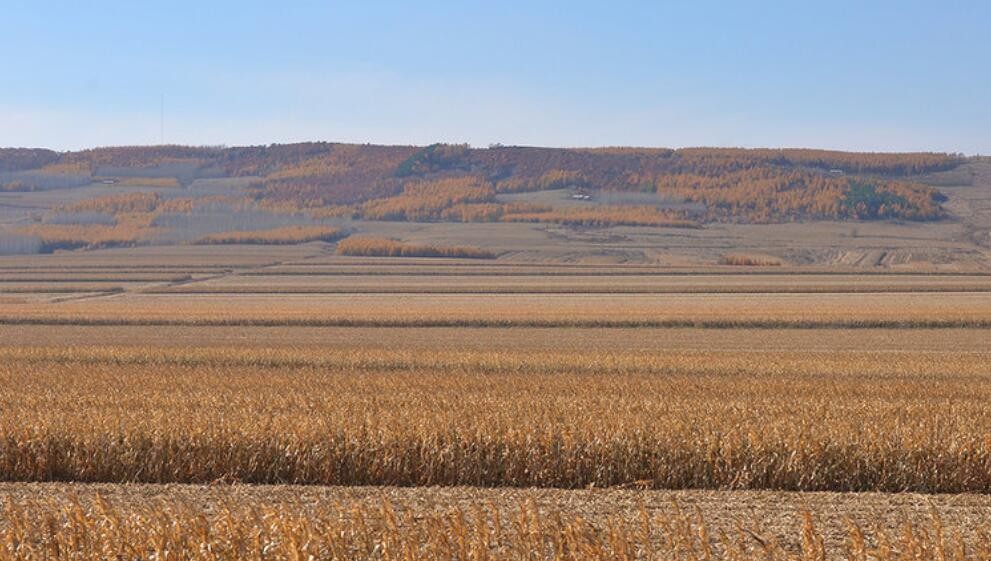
750, 260
382, 247
163, 182
607, 216
277, 236
90, 236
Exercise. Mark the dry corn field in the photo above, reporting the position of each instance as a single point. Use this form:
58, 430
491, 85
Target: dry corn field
692, 420
320, 407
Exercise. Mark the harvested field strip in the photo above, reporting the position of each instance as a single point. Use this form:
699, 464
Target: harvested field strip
73, 278
519, 340
462, 270
518, 270
722, 311
56, 268
97, 522
385, 263
893, 364
565, 284
320, 263
962, 323
568, 289
58, 288
79, 296
785, 421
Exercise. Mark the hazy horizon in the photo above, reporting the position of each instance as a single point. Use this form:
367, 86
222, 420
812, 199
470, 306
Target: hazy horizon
491, 145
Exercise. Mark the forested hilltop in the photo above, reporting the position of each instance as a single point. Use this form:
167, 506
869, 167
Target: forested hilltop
455, 183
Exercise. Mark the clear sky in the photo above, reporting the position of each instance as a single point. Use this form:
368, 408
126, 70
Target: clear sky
858, 75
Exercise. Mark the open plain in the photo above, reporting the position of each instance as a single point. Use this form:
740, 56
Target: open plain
254, 403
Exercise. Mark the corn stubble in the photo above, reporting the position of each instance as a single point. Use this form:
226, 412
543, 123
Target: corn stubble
91, 529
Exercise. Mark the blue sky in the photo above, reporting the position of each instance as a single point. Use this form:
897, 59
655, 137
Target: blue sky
858, 75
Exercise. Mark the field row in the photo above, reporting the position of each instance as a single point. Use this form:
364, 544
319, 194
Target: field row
535, 271
97, 522
74, 278
912, 310
603, 284
342, 281
490, 339
856, 421
318, 259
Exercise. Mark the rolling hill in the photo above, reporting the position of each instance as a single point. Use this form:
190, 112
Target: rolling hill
122, 196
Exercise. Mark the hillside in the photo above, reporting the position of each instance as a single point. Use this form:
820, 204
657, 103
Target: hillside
733, 184
123, 196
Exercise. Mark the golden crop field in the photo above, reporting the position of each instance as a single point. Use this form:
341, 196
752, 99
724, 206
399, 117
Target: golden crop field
691, 420
360, 409
232, 415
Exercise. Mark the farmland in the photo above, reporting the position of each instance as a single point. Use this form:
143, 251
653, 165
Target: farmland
808, 310
737, 420
359, 281
269, 402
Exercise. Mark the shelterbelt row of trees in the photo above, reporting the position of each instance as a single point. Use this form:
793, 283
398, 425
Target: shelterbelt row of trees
445, 182
124, 219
